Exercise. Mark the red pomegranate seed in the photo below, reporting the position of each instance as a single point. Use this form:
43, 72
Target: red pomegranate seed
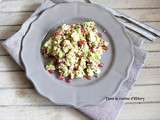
57, 33
81, 42
51, 71
88, 77
99, 34
61, 78
100, 65
83, 31
92, 49
88, 62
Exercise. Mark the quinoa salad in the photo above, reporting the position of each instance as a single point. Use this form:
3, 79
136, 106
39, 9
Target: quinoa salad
75, 51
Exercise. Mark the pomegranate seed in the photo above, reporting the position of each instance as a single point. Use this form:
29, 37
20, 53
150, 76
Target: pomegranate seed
51, 71
99, 34
61, 78
57, 33
83, 31
88, 77
88, 62
100, 65
81, 42
92, 49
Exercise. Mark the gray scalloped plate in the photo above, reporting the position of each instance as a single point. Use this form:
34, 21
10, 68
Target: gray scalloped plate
117, 60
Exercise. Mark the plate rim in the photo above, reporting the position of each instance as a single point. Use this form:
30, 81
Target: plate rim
39, 89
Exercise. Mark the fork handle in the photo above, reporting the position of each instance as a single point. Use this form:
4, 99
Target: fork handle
135, 22
141, 25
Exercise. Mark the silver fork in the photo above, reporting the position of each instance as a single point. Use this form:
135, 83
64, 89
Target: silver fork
132, 24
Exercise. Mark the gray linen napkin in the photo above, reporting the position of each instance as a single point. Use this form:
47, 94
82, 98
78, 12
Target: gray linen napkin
106, 110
